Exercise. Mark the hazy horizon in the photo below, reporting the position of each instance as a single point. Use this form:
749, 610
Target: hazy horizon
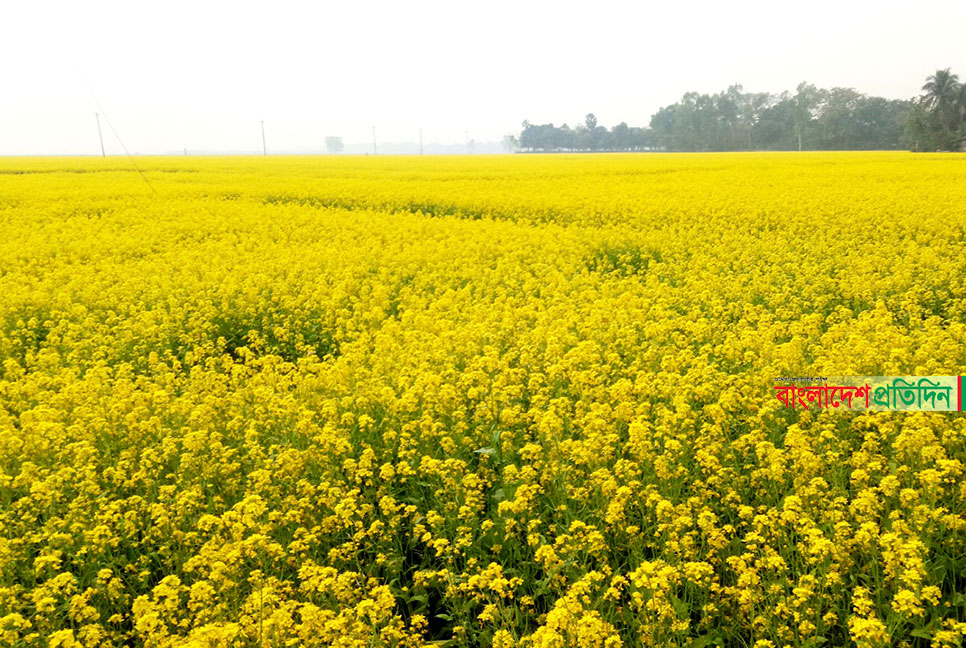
204, 76
351, 148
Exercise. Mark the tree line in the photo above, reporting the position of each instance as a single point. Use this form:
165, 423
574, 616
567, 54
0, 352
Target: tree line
811, 118
937, 121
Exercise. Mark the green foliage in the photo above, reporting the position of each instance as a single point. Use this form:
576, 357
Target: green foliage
812, 118
937, 121
625, 259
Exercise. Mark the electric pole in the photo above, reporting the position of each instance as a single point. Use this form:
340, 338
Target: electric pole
264, 148
374, 140
97, 116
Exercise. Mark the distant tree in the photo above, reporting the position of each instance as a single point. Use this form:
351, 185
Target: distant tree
511, 143
776, 125
565, 139
806, 96
941, 88
662, 126
642, 139
811, 118
526, 136
578, 137
919, 127
333, 144
881, 123
750, 107
942, 92
937, 121
538, 137
727, 105
838, 125
620, 136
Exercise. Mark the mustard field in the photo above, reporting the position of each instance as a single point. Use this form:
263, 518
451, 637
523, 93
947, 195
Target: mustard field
478, 401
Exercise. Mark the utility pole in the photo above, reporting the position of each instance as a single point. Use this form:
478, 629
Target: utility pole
97, 116
186, 151
374, 140
420, 141
264, 148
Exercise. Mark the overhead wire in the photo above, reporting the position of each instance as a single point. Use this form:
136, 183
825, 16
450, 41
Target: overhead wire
107, 118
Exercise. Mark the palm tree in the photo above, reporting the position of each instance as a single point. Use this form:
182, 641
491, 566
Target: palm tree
941, 87
942, 91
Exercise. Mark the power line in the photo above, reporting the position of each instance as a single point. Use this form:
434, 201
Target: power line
80, 72
107, 118
99, 135
120, 141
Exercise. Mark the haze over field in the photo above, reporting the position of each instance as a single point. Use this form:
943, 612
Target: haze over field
179, 74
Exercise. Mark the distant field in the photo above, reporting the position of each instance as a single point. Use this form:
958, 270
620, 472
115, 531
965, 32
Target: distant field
473, 401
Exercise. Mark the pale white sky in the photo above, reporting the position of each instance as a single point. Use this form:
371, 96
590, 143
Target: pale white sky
203, 74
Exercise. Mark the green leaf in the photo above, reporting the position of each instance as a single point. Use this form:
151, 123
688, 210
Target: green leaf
710, 639
680, 607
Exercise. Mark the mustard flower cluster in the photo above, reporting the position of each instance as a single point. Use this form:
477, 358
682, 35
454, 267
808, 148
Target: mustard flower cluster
519, 401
